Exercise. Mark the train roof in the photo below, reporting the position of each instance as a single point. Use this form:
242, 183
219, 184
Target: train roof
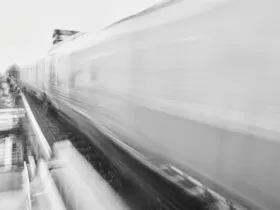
67, 40
84, 40
159, 5
72, 43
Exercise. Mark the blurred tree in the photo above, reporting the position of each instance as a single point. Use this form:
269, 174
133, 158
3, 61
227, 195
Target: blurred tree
13, 71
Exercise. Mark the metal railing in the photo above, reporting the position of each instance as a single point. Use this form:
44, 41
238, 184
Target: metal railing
40, 141
26, 186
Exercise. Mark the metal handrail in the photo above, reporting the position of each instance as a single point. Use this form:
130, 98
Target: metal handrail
40, 138
27, 186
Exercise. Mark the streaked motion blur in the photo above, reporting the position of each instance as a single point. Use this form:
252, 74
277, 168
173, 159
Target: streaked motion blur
190, 84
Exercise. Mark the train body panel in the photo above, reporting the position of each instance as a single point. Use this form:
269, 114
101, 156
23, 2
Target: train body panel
198, 91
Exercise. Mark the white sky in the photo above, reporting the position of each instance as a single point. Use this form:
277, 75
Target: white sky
27, 25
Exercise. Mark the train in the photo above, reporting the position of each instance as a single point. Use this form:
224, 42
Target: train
60, 35
189, 84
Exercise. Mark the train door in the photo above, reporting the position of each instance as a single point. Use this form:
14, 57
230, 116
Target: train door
46, 76
63, 73
52, 82
73, 84
80, 80
42, 73
37, 72
40, 76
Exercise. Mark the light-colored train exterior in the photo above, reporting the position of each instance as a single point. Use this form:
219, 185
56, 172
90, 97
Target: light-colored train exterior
190, 83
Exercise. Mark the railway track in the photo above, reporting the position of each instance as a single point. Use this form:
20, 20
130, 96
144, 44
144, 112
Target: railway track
140, 187
56, 130
147, 191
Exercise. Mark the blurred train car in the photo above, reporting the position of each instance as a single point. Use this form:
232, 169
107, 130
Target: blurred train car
190, 83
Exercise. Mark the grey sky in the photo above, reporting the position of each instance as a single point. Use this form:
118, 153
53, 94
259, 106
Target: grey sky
27, 26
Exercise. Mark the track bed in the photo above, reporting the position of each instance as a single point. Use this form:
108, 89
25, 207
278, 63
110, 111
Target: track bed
147, 190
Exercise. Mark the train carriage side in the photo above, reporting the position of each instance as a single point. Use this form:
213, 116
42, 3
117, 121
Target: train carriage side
198, 92
28, 77
58, 73
32, 77
40, 78
51, 80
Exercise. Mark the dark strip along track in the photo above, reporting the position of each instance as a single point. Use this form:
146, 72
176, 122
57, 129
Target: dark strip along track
140, 188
